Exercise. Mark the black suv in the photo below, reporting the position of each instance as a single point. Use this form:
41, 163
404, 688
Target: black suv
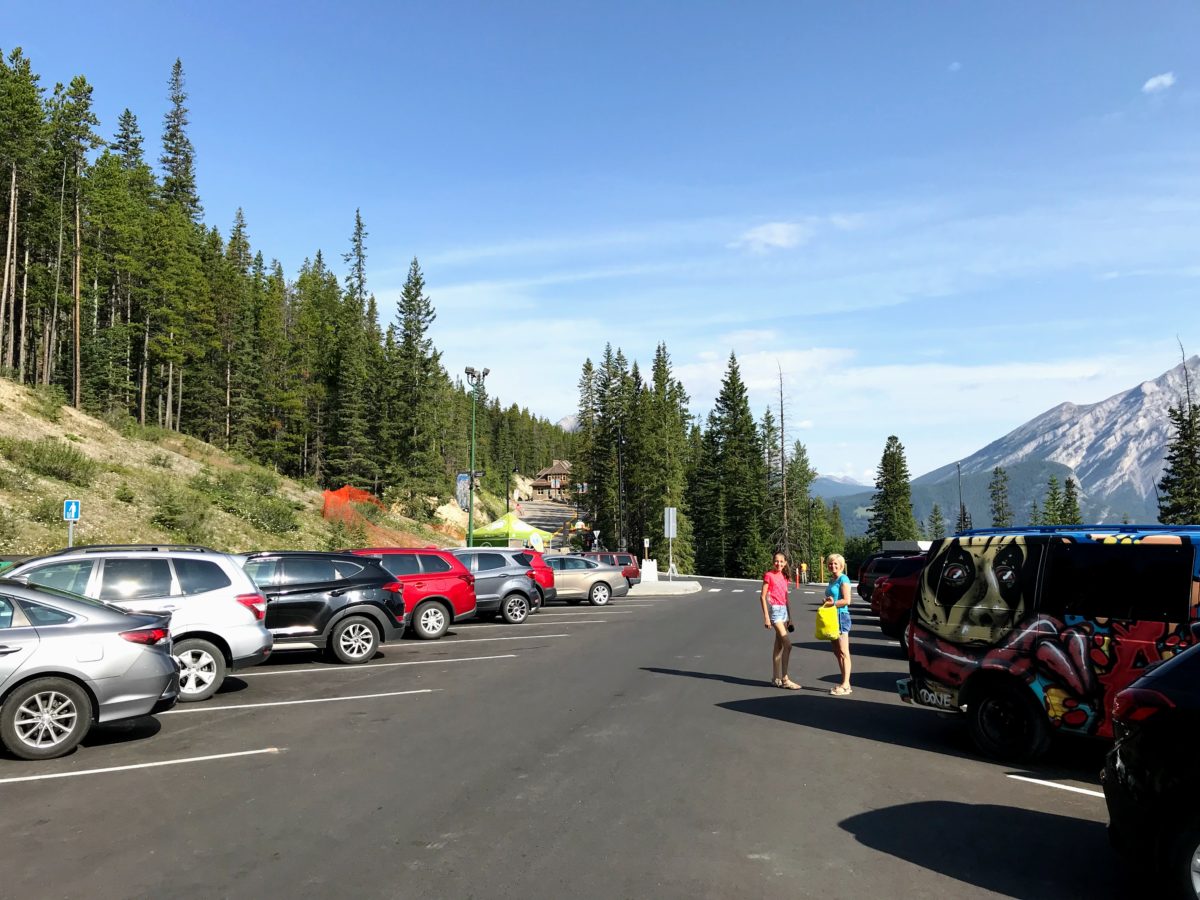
875, 565
504, 582
1151, 783
347, 605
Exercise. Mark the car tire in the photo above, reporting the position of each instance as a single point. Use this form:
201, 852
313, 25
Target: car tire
201, 669
1183, 865
430, 620
27, 735
354, 640
1005, 722
599, 594
514, 608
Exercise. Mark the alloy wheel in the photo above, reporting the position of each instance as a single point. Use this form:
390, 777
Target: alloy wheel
46, 719
432, 620
516, 609
356, 640
197, 671
1195, 867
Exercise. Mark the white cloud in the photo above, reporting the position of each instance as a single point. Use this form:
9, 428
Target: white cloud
774, 236
1158, 83
954, 67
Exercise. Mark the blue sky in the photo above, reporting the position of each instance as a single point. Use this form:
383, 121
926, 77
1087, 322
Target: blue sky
937, 219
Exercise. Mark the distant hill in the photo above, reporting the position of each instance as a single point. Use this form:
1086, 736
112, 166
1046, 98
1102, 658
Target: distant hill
569, 424
1114, 450
834, 487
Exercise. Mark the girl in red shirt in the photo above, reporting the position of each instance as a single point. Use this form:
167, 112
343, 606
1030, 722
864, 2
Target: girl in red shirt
777, 615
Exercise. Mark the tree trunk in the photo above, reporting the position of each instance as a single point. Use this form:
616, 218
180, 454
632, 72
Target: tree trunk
24, 309
170, 388
145, 373
48, 368
10, 248
77, 290
179, 401
228, 399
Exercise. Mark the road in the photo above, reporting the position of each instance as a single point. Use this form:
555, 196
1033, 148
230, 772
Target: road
632, 751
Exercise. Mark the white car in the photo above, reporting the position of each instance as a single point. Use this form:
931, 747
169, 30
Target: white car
217, 613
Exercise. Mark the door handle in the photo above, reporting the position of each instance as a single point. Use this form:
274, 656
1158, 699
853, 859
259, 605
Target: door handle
4, 651
337, 592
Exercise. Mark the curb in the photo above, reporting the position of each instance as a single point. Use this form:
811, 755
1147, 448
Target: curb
648, 588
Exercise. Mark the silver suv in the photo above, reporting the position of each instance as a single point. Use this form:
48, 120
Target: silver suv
216, 611
504, 582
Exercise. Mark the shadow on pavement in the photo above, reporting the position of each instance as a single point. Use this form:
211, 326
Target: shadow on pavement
231, 685
875, 650
1014, 852
124, 732
884, 682
710, 676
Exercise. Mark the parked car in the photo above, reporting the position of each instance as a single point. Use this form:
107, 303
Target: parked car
344, 604
1151, 782
543, 576
626, 562
504, 582
216, 611
438, 589
67, 662
893, 594
579, 578
874, 566
1034, 631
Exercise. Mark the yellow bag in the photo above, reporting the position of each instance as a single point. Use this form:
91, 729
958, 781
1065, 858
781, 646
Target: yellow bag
827, 623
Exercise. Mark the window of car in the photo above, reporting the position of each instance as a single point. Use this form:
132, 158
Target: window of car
70, 576
344, 568
1142, 582
262, 571
305, 570
908, 565
197, 576
401, 564
433, 563
39, 615
484, 561
523, 559
576, 563
6, 612
134, 579
554, 562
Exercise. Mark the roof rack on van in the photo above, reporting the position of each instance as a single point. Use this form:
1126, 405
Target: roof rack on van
155, 548
1076, 529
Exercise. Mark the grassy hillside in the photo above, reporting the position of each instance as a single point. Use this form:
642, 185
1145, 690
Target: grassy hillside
146, 485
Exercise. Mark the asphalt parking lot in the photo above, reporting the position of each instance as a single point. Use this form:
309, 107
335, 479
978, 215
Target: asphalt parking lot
636, 750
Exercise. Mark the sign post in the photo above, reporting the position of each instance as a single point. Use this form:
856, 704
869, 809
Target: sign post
669, 532
596, 546
645, 548
71, 516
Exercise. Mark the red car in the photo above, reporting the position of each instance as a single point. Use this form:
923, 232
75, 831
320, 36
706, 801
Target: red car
627, 561
894, 594
438, 589
543, 575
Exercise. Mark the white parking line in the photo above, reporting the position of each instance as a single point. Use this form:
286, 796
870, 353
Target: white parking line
416, 662
739, 590
150, 765
462, 640
201, 709
714, 590
527, 623
592, 612
1061, 787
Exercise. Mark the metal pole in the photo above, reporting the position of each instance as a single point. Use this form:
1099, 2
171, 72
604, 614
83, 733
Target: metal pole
961, 517
620, 490
71, 533
471, 476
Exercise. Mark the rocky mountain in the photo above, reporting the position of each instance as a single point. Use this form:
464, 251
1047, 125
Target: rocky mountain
569, 423
1113, 449
832, 487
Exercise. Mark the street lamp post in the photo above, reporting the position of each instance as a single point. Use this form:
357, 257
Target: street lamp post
475, 379
620, 490
961, 517
507, 488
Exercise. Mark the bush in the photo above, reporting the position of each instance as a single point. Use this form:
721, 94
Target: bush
53, 459
182, 511
46, 510
47, 401
124, 493
249, 496
8, 527
161, 461
342, 536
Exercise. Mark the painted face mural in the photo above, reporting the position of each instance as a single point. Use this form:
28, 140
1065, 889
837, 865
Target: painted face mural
975, 591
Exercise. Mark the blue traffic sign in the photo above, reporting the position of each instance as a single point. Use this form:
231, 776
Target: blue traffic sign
70, 510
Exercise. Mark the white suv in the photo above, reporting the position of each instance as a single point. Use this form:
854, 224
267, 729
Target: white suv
216, 611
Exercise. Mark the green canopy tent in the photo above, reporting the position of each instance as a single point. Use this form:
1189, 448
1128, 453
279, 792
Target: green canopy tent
507, 530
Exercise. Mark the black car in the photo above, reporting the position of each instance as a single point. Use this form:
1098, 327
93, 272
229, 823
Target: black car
504, 582
347, 605
875, 565
1151, 781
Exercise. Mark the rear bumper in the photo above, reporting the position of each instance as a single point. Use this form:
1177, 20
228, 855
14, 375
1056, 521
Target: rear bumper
252, 659
633, 581
549, 593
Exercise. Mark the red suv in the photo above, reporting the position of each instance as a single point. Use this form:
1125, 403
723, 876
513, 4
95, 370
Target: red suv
626, 561
438, 589
893, 596
543, 575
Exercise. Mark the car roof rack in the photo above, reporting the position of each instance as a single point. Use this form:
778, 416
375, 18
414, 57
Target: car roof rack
1079, 529
153, 548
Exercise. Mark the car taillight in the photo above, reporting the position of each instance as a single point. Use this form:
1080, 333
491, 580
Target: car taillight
1139, 704
394, 587
468, 578
256, 603
529, 573
148, 636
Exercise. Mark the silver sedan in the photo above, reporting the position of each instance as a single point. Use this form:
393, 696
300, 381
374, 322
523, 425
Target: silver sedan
67, 662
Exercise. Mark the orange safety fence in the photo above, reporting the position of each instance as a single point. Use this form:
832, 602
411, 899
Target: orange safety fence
339, 506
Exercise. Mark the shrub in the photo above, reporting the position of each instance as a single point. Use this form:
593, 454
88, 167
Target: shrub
249, 496
182, 511
47, 401
124, 493
53, 459
8, 527
46, 510
161, 460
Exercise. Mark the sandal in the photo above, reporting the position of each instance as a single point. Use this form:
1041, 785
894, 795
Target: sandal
776, 682
840, 691
789, 685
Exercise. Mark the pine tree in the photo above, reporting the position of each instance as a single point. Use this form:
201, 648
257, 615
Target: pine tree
1052, 511
1002, 514
1035, 515
1071, 514
936, 525
1179, 487
742, 475
891, 508
963, 522
179, 156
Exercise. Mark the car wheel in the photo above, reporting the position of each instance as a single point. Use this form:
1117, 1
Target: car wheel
354, 640
600, 594
201, 669
429, 620
45, 718
1006, 723
515, 608
1183, 865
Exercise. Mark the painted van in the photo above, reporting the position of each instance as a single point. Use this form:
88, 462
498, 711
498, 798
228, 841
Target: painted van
1033, 631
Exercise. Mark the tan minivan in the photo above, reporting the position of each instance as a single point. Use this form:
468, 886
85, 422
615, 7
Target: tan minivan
578, 579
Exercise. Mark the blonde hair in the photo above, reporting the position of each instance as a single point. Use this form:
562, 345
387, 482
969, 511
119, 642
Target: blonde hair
836, 557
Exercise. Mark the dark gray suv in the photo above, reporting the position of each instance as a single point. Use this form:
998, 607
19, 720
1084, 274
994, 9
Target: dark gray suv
504, 582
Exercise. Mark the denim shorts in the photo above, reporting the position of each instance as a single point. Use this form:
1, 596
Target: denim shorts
778, 613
